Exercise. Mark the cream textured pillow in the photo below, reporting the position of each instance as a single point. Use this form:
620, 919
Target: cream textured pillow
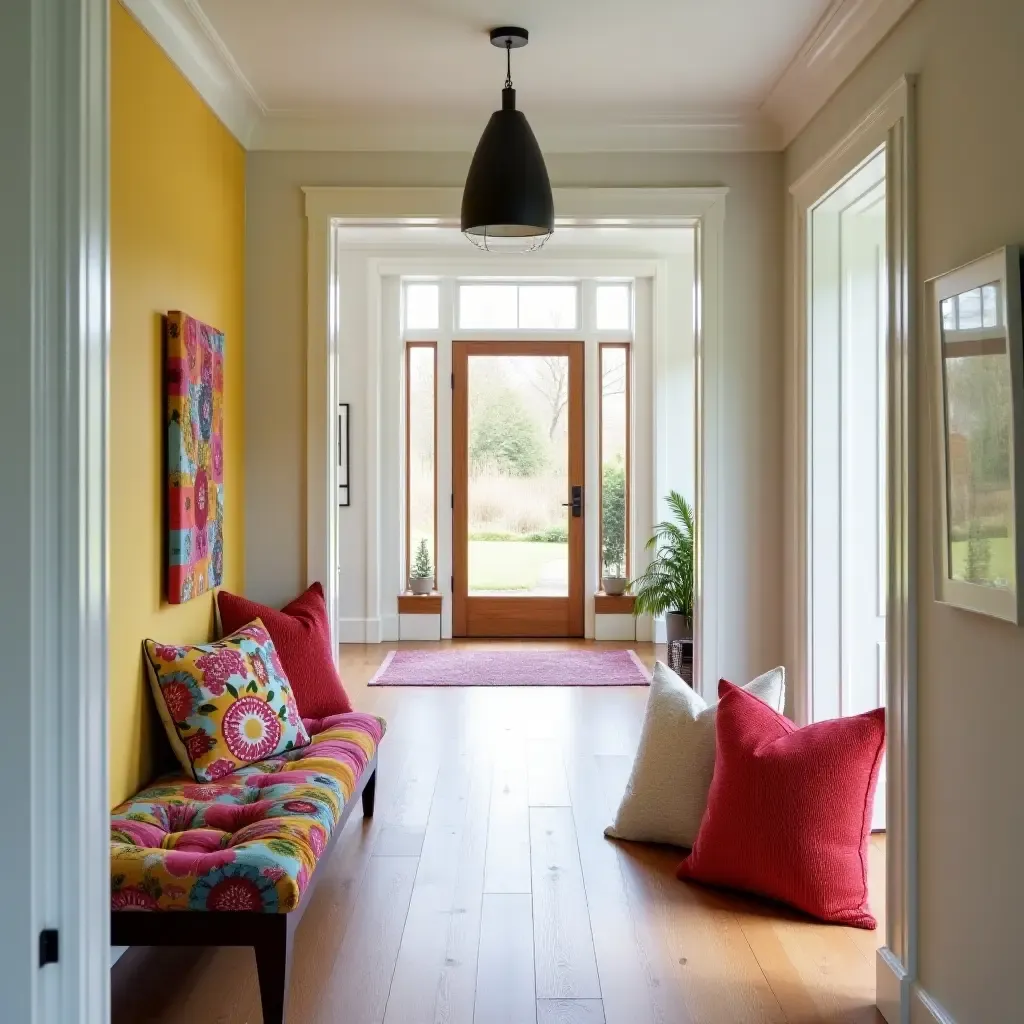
668, 788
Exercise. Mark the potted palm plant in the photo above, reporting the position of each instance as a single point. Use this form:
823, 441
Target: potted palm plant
421, 578
666, 587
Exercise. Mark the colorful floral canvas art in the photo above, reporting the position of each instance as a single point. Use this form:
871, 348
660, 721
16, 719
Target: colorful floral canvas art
195, 457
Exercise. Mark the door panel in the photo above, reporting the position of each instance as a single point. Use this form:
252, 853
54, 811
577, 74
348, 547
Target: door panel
863, 433
847, 447
517, 454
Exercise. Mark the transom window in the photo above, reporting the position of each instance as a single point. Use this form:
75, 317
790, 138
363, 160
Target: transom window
614, 307
524, 307
421, 308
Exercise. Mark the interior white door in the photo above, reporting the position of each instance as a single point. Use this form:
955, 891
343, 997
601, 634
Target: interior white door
863, 440
847, 451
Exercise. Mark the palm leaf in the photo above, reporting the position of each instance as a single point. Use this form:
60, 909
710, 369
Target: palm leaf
667, 583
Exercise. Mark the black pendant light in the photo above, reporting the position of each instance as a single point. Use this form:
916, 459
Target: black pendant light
507, 204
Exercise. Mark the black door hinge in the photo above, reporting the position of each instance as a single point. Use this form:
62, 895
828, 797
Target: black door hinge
453, 584
453, 382
48, 946
453, 500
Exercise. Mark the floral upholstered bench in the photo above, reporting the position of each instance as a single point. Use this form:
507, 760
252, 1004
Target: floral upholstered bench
233, 862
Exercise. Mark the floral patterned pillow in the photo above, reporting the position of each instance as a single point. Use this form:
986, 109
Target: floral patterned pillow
224, 704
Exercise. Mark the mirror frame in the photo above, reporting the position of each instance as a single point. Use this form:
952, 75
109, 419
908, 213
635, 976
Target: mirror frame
1002, 266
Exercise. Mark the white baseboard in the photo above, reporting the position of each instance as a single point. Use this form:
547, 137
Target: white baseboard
359, 631
389, 629
890, 985
924, 1009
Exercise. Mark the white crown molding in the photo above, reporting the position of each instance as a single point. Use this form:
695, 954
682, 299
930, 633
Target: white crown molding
410, 133
847, 32
184, 33
844, 36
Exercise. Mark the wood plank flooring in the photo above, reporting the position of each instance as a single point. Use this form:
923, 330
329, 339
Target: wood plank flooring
483, 892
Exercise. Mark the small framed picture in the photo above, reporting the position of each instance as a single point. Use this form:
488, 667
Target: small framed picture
979, 434
343, 455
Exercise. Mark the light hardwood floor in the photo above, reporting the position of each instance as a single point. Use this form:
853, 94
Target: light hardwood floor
483, 892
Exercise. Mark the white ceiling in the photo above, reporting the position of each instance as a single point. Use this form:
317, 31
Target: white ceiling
598, 75
589, 58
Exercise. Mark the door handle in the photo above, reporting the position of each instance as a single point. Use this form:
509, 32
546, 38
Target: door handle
577, 502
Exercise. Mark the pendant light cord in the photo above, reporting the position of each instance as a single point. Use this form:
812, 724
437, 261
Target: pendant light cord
508, 58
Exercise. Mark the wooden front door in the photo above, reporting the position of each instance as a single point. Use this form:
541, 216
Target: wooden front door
518, 502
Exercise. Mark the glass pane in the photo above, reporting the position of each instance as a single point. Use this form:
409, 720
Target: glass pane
969, 310
614, 307
991, 315
978, 451
614, 438
949, 314
488, 307
421, 306
518, 475
422, 514
548, 307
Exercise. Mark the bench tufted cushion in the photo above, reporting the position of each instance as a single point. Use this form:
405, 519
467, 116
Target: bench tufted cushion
248, 841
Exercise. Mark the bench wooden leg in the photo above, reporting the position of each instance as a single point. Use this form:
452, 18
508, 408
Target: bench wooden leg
369, 793
273, 964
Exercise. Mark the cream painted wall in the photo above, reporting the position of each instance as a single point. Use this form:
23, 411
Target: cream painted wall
752, 360
970, 158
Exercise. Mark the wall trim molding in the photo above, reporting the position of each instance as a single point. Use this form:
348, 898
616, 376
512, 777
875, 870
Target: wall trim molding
700, 208
890, 123
891, 986
358, 631
402, 132
55, 254
847, 32
844, 36
182, 30
925, 1009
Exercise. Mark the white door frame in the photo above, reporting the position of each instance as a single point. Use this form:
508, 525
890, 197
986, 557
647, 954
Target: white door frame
889, 122
53, 549
664, 320
702, 208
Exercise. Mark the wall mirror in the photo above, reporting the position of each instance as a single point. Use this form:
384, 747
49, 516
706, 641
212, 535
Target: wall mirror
979, 398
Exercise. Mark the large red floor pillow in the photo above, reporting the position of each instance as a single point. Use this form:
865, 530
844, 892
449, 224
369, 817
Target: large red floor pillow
789, 812
302, 636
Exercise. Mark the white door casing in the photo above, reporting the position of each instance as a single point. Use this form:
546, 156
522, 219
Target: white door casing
847, 465
700, 208
662, 451
54, 289
890, 124
863, 428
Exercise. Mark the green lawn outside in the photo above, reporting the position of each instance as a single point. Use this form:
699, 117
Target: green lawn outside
511, 565
1000, 564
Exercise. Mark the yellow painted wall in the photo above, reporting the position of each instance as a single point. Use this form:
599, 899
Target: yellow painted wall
177, 227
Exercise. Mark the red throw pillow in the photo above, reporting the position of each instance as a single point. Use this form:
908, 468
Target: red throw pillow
789, 810
303, 640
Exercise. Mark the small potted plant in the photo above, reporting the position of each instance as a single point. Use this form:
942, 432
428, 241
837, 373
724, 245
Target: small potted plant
421, 579
667, 585
613, 528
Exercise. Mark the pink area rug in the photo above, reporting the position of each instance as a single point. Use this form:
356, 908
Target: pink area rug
455, 667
